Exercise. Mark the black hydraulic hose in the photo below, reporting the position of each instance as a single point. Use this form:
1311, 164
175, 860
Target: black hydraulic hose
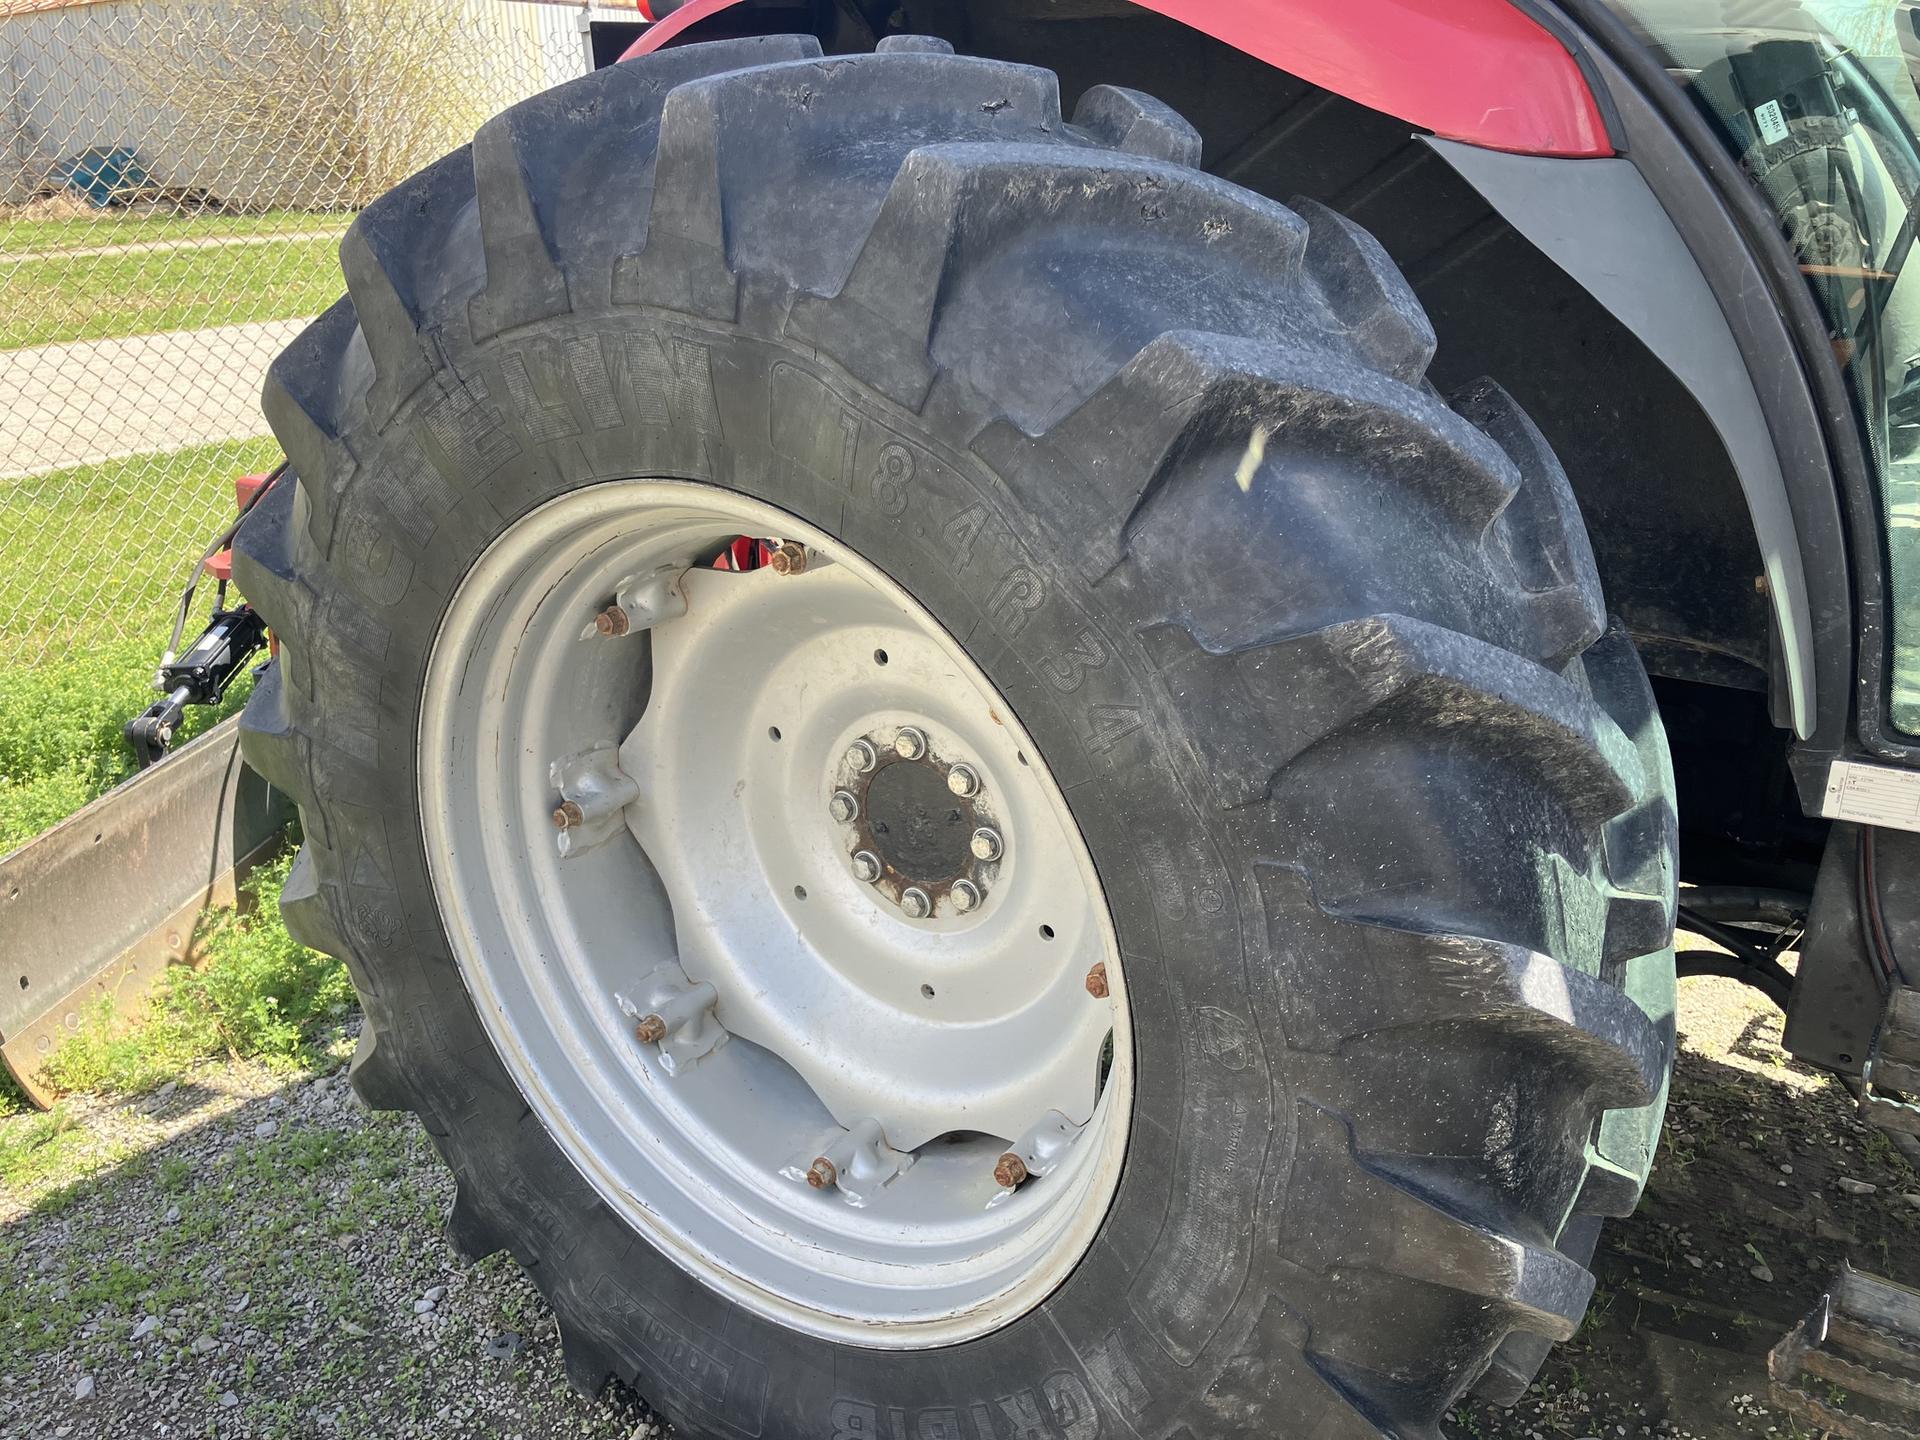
1873, 924
225, 539
1744, 963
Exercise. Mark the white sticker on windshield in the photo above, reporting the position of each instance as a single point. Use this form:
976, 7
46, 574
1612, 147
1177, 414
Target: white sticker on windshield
1773, 125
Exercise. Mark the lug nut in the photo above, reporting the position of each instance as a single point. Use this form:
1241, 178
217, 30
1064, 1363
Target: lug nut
860, 755
1011, 1172
866, 866
916, 902
612, 621
788, 558
844, 806
965, 895
1097, 981
985, 844
822, 1175
651, 1030
568, 815
964, 781
910, 743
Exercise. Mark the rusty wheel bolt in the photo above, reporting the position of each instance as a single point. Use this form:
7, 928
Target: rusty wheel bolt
866, 866
612, 621
1011, 1172
651, 1030
568, 816
916, 902
1097, 981
821, 1175
789, 558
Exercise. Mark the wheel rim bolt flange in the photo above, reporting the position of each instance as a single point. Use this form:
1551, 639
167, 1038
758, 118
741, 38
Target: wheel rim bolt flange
612, 621
985, 844
822, 1175
1011, 1172
788, 558
965, 896
860, 755
964, 781
568, 815
651, 1030
866, 866
1097, 981
844, 806
916, 902
910, 743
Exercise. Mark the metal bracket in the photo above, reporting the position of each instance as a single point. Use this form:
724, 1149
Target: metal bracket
1045, 1146
671, 1012
641, 602
1895, 1065
594, 793
1040, 1150
858, 1163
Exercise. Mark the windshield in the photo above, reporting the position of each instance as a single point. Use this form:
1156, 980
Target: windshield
1818, 101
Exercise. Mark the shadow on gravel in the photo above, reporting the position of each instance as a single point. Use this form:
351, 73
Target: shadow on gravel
1743, 1225
262, 1258
265, 1259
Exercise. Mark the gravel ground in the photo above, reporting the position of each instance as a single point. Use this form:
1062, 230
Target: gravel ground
265, 1259
261, 1257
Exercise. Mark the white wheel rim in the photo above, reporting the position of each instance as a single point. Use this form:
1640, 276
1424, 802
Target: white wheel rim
948, 1039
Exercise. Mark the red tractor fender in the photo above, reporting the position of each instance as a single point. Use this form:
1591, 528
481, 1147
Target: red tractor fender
1479, 71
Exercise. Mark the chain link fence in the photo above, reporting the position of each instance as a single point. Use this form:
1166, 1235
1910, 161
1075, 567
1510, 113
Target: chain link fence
175, 178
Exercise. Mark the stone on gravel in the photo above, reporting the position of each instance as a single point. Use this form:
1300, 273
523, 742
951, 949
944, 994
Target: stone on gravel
505, 1346
266, 1130
1762, 1274
148, 1324
1855, 1187
205, 1345
1912, 1199
83, 1388
172, 1217
228, 1400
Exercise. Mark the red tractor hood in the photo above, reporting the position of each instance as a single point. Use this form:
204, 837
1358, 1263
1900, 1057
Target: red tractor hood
1480, 71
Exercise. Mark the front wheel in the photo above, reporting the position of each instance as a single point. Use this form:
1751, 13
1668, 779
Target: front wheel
967, 810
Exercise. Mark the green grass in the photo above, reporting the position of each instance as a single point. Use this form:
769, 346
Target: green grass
131, 227
127, 531
259, 995
34, 1147
101, 296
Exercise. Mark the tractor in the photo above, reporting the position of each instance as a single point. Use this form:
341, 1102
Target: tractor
1006, 705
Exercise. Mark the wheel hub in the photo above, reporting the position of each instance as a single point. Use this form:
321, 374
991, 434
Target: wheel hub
917, 815
774, 915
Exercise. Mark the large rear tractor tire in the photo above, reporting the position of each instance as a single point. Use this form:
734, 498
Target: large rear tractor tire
1264, 1068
